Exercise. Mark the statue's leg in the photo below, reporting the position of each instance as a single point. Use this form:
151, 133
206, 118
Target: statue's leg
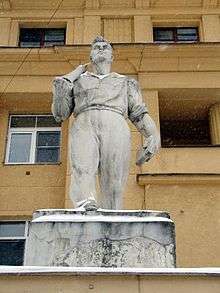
84, 153
114, 159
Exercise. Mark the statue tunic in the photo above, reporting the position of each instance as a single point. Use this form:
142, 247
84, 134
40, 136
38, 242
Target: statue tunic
99, 136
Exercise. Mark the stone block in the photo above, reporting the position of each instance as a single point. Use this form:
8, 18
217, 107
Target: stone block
102, 238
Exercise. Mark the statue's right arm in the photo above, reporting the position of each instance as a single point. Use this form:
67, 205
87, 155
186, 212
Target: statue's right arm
63, 99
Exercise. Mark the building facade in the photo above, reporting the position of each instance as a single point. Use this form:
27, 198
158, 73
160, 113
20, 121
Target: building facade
173, 50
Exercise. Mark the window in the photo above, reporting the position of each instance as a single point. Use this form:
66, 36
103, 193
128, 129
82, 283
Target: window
12, 242
176, 34
33, 139
41, 37
185, 117
185, 133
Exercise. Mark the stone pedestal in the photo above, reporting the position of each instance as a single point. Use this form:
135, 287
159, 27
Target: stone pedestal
103, 238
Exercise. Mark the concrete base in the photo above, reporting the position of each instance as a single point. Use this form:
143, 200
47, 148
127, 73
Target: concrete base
103, 238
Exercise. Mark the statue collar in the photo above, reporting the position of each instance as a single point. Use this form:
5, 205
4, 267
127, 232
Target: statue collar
114, 74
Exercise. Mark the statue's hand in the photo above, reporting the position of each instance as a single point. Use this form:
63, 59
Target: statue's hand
85, 66
81, 68
75, 74
149, 149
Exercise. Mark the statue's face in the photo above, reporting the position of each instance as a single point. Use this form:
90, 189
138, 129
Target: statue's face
101, 51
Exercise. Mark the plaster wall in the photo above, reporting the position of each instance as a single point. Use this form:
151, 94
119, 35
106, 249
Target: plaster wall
194, 208
107, 284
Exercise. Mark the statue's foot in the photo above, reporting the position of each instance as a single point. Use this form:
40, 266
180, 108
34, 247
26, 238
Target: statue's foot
90, 206
87, 205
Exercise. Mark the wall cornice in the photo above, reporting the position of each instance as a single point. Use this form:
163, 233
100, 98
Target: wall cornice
172, 179
121, 51
106, 4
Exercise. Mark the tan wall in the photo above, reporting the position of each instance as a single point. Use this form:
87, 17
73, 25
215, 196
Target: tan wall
211, 28
44, 187
5, 31
109, 284
194, 207
184, 160
118, 30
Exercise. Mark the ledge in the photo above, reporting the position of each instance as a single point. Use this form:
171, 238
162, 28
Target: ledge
165, 179
37, 270
121, 50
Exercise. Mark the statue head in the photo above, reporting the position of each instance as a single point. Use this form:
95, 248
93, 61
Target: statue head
101, 51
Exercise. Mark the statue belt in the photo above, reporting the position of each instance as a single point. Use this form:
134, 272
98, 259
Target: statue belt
100, 107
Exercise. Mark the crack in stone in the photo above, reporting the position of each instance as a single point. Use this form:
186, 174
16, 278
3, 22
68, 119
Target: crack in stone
126, 239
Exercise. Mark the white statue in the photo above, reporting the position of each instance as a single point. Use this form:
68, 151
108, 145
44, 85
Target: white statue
100, 138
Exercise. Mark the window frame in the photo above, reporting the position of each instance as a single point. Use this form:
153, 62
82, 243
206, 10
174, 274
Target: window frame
12, 238
174, 30
33, 131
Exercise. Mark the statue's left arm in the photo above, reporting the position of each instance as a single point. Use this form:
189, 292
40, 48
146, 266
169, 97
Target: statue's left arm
138, 114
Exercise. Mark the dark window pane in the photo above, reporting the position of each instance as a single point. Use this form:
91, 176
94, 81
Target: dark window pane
20, 147
12, 229
30, 37
187, 132
12, 252
163, 34
30, 34
55, 35
187, 34
23, 121
47, 121
47, 155
187, 31
48, 138
188, 38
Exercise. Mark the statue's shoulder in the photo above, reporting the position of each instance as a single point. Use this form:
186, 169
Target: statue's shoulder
117, 75
132, 82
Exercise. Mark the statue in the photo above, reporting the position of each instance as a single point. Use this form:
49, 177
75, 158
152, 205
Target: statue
100, 138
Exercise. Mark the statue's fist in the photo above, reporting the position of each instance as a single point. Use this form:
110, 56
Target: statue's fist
152, 144
149, 149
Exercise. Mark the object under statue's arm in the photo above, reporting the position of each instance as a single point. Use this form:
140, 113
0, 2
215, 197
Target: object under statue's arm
63, 100
139, 116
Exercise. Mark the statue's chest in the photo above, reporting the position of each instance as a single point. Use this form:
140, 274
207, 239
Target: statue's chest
99, 87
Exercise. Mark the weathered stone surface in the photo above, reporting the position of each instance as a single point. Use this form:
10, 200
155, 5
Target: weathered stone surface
101, 239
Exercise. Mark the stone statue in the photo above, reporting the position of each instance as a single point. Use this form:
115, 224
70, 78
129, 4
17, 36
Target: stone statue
100, 138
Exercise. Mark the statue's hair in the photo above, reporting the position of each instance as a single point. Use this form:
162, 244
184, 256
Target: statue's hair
100, 39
